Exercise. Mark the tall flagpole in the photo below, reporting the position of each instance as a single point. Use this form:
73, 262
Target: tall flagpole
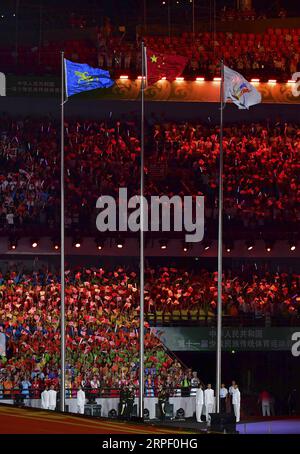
142, 274
141, 358
62, 248
220, 249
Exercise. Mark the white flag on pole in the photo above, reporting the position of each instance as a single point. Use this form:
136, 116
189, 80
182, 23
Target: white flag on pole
239, 90
2, 344
2, 84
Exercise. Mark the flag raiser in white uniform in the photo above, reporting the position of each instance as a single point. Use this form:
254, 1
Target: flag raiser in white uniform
239, 90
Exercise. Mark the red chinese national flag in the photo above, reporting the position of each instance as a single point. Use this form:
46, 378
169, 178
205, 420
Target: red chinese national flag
163, 65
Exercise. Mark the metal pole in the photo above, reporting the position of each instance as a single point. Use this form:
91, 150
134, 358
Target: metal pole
220, 249
141, 375
193, 16
62, 249
145, 17
214, 26
40, 32
169, 18
17, 33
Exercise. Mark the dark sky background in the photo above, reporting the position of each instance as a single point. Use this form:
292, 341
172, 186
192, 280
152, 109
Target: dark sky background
121, 11
117, 7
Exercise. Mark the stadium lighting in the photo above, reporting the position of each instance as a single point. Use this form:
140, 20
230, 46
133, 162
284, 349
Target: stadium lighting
77, 242
124, 77
120, 243
207, 245
163, 244
99, 244
255, 80
229, 246
272, 81
140, 77
185, 247
269, 245
34, 243
179, 79
217, 79
163, 78
55, 242
291, 81
200, 79
163, 3
293, 245
12, 243
250, 245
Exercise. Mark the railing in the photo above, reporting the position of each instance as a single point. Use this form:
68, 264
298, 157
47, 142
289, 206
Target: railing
19, 395
198, 318
234, 228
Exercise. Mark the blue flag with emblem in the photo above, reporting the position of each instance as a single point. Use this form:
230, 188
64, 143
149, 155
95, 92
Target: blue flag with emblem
81, 77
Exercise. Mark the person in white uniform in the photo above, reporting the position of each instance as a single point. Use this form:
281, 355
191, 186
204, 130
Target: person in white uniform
236, 402
80, 400
45, 399
199, 402
230, 391
209, 401
231, 387
52, 398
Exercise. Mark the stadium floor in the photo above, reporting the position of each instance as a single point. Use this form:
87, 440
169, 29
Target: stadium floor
15, 420
271, 426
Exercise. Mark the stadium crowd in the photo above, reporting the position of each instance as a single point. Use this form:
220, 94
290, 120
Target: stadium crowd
261, 169
101, 328
271, 54
102, 319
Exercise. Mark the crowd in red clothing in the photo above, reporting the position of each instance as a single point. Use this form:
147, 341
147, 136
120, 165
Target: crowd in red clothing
274, 53
102, 318
271, 54
258, 293
261, 169
101, 326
